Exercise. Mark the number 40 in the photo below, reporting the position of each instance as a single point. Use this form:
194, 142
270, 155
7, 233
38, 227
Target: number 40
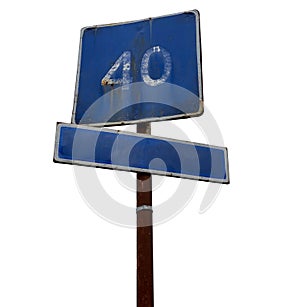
125, 61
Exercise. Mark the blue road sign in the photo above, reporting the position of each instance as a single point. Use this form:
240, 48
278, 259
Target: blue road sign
138, 71
91, 146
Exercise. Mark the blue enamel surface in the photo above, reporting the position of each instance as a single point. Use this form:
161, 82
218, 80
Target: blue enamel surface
127, 151
102, 46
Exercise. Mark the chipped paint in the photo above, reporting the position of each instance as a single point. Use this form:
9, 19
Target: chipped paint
125, 60
145, 66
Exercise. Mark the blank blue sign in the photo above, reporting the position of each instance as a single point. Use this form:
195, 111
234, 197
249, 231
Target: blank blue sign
88, 146
138, 71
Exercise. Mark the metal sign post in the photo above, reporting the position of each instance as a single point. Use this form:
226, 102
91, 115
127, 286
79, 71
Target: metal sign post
145, 282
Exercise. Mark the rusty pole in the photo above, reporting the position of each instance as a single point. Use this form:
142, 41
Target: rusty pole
145, 288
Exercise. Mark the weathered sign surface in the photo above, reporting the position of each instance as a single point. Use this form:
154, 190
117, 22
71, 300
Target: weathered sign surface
145, 70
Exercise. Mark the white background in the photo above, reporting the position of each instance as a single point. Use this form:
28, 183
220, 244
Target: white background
244, 251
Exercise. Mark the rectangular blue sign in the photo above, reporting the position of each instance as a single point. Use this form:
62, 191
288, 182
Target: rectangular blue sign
145, 70
96, 147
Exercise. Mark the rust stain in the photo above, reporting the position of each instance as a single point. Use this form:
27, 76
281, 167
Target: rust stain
107, 82
104, 82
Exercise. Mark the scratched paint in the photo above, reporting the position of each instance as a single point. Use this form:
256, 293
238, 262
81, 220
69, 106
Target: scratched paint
145, 66
125, 60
